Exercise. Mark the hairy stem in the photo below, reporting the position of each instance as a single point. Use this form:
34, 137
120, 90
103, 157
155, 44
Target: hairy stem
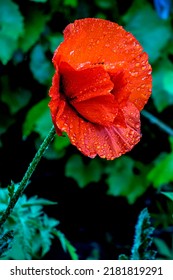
157, 122
27, 176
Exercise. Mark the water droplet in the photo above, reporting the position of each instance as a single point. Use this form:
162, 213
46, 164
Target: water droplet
143, 78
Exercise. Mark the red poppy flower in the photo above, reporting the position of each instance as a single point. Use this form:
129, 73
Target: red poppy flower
102, 81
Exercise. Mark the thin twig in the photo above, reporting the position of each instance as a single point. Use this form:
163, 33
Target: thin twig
158, 122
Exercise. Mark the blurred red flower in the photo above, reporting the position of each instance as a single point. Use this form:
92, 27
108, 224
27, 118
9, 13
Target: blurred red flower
102, 81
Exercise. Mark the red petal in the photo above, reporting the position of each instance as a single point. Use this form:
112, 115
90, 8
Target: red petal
133, 82
93, 41
84, 84
96, 41
55, 96
139, 81
88, 91
107, 142
99, 110
57, 103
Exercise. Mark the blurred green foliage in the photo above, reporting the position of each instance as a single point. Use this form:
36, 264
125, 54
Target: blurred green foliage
30, 31
83, 174
148, 32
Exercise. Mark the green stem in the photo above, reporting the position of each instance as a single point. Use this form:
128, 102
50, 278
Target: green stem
159, 123
27, 176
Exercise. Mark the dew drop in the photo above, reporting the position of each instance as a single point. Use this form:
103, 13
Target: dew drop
144, 78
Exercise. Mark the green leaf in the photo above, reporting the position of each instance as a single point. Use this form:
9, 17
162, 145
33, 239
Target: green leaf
152, 32
39, 1
15, 100
167, 80
11, 22
58, 148
83, 174
54, 40
4, 195
5, 242
72, 250
11, 19
122, 180
168, 194
72, 3
11, 189
7, 47
162, 172
46, 235
42, 68
105, 4
8, 120
32, 228
123, 257
162, 93
34, 26
38, 201
171, 142
62, 238
61, 142
38, 119
163, 249
66, 245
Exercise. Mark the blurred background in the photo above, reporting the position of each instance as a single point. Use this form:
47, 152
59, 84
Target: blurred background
98, 201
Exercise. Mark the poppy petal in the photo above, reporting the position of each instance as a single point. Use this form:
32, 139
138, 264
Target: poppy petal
133, 83
107, 142
100, 110
84, 84
94, 41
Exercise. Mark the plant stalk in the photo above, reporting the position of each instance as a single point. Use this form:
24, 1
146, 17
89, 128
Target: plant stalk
24, 182
158, 122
